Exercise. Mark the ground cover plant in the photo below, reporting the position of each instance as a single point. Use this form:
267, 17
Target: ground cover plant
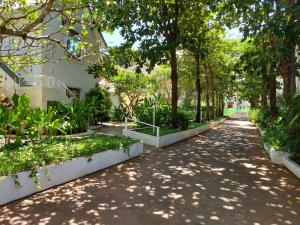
53, 150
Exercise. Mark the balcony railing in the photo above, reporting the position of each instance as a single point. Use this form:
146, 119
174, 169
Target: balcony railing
36, 80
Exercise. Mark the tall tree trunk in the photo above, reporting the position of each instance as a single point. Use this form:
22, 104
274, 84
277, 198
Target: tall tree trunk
222, 105
207, 91
287, 64
198, 88
217, 104
172, 39
213, 94
174, 81
273, 100
253, 104
264, 93
287, 69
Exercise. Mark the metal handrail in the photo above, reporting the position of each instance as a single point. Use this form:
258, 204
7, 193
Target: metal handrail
10, 72
137, 121
45, 81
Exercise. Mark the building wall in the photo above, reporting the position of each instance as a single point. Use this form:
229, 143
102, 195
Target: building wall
8, 86
35, 94
72, 72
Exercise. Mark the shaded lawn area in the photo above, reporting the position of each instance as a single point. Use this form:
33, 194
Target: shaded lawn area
230, 111
54, 150
163, 131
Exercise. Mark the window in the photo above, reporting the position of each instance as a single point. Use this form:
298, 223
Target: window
75, 91
72, 43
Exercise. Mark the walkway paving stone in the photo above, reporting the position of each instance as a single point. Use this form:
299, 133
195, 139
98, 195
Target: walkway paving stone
219, 177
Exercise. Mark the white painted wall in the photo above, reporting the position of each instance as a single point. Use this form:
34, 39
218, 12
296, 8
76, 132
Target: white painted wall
72, 72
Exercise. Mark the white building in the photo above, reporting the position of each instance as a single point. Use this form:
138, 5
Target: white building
55, 80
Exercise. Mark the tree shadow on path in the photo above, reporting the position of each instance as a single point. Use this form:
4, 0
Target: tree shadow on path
219, 177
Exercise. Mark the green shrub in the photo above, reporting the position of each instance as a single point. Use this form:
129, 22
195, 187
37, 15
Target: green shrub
101, 105
118, 113
75, 116
275, 135
261, 117
144, 111
253, 114
189, 112
183, 121
17, 118
292, 125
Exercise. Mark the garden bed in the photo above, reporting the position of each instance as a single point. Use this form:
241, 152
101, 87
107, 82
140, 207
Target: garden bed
39, 166
167, 135
280, 157
275, 155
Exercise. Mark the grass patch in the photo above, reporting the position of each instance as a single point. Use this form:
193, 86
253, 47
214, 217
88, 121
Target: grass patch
54, 150
231, 111
167, 130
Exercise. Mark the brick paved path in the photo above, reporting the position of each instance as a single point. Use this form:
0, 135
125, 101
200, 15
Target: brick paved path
219, 177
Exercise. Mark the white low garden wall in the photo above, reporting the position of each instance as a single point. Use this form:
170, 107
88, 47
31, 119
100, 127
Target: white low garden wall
66, 171
276, 156
281, 157
171, 138
291, 165
87, 133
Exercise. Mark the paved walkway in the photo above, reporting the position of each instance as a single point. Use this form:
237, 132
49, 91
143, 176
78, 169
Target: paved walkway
219, 177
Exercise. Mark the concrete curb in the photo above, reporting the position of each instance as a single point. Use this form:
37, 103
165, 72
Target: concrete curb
291, 165
171, 138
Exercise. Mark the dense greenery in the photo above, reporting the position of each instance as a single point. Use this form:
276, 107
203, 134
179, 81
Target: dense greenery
194, 67
101, 100
19, 121
54, 150
24, 28
284, 132
274, 28
17, 118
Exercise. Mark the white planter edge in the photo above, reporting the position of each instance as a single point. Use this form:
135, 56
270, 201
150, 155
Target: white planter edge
95, 126
276, 156
171, 138
291, 165
280, 157
57, 174
88, 132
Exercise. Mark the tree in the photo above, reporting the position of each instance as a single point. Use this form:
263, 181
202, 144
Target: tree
132, 88
156, 26
26, 29
257, 73
161, 74
277, 19
201, 20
